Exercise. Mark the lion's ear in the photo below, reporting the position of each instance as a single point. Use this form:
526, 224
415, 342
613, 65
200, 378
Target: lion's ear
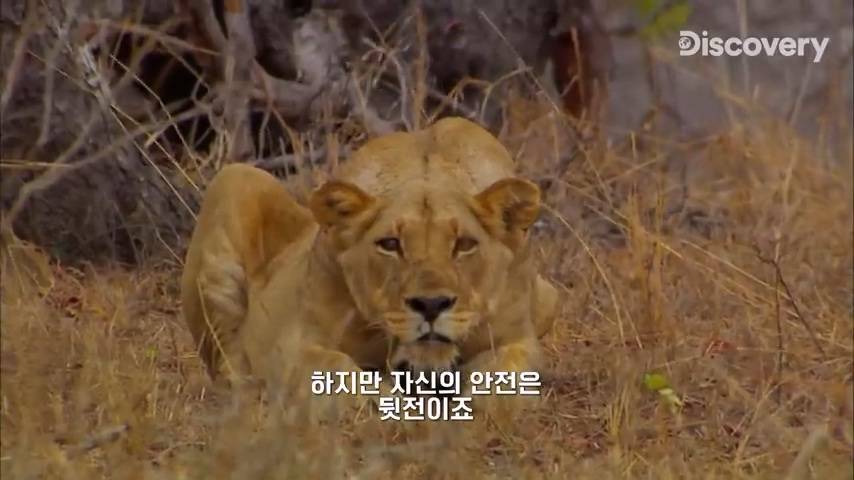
508, 208
336, 203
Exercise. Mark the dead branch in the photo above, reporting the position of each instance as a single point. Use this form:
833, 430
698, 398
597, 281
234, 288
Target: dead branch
293, 159
27, 30
371, 120
98, 439
290, 98
791, 297
203, 18
238, 77
62, 167
239, 61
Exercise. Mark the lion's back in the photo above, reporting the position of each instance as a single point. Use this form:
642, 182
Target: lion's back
453, 151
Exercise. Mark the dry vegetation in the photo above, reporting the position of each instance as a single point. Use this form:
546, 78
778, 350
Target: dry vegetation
723, 262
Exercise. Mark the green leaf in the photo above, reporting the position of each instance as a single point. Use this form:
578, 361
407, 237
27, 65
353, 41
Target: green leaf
667, 21
151, 353
674, 17
670, 396
655, 381
646, 7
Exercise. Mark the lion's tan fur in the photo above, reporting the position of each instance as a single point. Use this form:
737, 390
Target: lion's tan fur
274, 284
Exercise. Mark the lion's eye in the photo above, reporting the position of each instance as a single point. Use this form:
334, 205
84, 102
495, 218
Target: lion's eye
389, 245
464, 245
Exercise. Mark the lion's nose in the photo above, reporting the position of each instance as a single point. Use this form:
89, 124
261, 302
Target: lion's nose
430, 307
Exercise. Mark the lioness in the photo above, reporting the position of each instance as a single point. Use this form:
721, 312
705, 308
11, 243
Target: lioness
415, 256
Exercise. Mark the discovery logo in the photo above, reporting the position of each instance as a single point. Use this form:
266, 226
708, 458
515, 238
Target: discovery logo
690, 43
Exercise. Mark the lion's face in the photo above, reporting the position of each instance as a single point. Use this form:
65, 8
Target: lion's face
427, 265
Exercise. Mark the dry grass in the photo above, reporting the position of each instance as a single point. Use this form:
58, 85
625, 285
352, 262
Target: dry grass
724, 263
658, 280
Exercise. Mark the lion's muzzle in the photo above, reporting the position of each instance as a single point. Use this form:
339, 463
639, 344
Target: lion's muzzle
430, 307
432, 336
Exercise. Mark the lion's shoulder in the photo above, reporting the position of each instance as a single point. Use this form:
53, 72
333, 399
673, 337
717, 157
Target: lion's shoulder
247, 224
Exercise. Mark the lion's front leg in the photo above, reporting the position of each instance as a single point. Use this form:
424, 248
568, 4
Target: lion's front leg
316, 358
516, 357
319, 358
